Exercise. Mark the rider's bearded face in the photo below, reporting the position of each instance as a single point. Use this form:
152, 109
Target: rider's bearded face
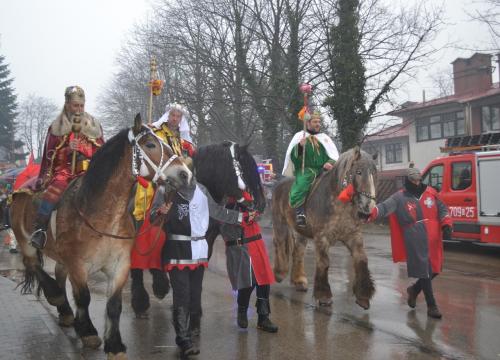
314, 124
174, 119
75, 107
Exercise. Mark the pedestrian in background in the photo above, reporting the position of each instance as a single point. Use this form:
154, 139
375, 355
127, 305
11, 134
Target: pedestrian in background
418, 221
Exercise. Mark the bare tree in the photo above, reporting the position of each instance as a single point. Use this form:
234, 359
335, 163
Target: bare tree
35, 115
490, 16
442, 82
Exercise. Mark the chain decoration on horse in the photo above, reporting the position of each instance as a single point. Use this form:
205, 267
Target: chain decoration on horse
139, 171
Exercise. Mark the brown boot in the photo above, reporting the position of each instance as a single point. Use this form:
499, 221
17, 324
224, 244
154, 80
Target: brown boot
412, 296
433, 312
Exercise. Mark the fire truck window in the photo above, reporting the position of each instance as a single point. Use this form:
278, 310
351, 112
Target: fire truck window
461, 175
434, 177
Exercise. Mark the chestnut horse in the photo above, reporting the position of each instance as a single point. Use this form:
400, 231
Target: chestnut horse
328, 220
91, 230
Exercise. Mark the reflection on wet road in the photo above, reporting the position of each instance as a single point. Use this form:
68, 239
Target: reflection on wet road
467, 292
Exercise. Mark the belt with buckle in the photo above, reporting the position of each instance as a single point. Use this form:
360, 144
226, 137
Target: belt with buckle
244, 240
184, 237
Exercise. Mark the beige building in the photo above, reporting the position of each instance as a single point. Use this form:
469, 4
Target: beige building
469, 117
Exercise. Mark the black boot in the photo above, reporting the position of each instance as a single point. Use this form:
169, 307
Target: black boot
39, 236
300, 216
195, 325
161, 284
412, 296
140, 297
433, 312
264, 323
181, 319
242, 317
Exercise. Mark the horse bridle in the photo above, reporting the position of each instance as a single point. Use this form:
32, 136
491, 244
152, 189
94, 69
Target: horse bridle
348, 179
237, 167
139, 167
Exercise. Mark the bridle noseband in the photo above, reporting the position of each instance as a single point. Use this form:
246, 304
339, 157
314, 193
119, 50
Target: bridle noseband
348, 179
139, 157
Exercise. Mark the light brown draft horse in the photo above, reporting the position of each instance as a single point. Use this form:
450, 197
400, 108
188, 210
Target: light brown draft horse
92, 231
328, 220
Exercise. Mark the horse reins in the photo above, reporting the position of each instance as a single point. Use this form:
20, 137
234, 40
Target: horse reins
135, 171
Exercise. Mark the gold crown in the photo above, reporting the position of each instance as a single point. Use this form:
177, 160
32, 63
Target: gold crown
74, 93
316, 114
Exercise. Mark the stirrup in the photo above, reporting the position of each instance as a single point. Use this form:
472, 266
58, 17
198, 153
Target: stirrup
38, 239
300, 219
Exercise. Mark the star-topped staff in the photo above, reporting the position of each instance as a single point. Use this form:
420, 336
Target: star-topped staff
155, 86
305, 115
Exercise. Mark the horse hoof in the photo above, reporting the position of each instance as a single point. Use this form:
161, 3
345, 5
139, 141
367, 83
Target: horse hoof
92, 341
364, 303
66, 320
118, 356
301, 287
143, 315
325, 302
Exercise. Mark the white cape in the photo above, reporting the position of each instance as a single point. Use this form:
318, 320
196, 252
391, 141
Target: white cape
331, 150
183, 126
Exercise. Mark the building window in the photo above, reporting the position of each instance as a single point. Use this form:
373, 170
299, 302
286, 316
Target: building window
461, 175
441, 126
490, 118
393, 153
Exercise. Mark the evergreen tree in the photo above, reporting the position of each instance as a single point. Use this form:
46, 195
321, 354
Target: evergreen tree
8, 106
347, 99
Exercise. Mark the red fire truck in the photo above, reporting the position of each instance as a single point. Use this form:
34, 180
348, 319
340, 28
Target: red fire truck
469, 184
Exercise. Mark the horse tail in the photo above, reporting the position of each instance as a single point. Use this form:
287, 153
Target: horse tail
282, 237
30, 280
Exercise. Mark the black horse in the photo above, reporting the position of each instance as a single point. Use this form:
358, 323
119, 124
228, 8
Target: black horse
224, 169
217, 167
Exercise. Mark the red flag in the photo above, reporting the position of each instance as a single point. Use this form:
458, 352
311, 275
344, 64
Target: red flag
31, 171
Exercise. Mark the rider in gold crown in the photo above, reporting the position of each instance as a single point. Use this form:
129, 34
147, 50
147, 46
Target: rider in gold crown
320, 154
71, 141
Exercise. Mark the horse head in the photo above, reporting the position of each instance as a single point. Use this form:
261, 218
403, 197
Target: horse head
155, 161
227, 169
358, 168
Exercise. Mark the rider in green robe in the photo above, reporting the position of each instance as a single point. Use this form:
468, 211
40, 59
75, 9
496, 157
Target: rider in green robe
320, 155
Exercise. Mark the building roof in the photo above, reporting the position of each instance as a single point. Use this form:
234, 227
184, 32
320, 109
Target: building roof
408, 107
395, 131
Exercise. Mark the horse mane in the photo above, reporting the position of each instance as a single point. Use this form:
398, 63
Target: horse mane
102, 167
214, 169
213, 165
330, 184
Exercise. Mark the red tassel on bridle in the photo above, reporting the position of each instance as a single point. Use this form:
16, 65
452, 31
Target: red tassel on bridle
142, 181
346, 194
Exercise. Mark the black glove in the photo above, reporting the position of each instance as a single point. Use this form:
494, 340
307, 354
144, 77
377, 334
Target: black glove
447, 230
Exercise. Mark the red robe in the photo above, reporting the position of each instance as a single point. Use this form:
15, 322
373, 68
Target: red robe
431, 213
258, 254
146, 253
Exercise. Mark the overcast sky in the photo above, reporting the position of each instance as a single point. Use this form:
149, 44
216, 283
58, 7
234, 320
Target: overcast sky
52, 44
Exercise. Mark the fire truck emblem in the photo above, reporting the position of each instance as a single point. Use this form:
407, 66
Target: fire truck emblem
428, 202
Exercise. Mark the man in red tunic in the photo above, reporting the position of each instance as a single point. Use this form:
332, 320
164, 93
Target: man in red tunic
71, 141
248, 267
419, 221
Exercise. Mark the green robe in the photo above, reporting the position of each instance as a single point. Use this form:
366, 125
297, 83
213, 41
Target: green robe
316, 157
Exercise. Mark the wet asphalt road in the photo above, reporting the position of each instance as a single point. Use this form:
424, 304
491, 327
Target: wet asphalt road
467, 292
